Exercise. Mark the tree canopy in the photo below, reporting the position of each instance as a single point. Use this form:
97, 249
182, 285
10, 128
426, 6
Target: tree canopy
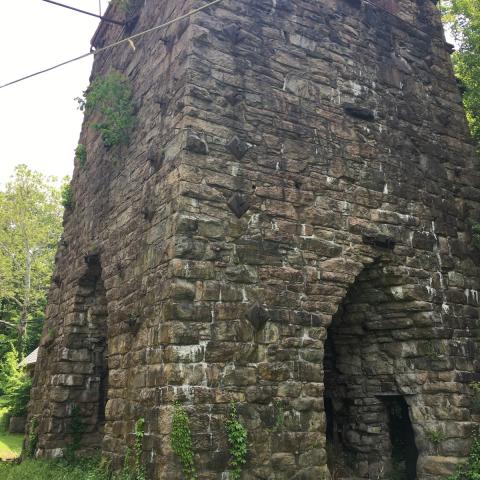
30, 227
463, 17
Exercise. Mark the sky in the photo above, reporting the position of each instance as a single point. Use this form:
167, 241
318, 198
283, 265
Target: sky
39, 120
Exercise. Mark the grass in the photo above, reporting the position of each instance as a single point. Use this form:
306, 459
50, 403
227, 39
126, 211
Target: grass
49, 470
86, 469
10, 445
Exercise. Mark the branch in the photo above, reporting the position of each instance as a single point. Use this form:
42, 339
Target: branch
8, 324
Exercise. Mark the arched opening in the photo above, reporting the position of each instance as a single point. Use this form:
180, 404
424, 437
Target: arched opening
87, 347
368, 421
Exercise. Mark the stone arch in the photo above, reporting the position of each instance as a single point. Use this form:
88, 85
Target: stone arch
86, 344
373, 371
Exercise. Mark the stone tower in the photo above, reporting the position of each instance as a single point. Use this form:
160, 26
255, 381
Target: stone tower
289, 229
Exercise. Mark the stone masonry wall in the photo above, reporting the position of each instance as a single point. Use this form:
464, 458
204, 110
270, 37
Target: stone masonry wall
299, 170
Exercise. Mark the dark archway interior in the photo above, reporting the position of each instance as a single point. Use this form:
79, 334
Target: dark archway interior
368, 427
402, 438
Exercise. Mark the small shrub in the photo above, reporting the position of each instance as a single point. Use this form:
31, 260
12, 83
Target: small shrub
112, 98
237, 439
181, 441
67, 196
81, 154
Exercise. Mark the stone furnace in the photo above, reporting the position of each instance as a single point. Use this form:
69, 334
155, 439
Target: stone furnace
288, 229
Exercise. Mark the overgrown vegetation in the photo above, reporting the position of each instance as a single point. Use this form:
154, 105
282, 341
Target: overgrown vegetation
471, 469
67, 196
181, 441
128, 6
139, 434
111, 98
81, 154
32, 438
237, 440
58, 470
435, 437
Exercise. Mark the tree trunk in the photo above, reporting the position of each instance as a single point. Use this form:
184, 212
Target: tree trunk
22, 325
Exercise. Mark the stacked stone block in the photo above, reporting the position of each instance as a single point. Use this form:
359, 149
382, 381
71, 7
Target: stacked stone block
299, 170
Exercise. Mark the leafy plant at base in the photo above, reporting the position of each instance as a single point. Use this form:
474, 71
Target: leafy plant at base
111, 97
67, 196
76, 429
32, 438
471, 469
81, 154
237, 439
181, 441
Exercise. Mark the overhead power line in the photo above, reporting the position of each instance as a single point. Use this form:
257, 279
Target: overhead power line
104, 19
158, 27
113, 45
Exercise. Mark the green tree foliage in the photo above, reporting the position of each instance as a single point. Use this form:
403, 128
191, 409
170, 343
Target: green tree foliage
15, 384
30, 227
463, 17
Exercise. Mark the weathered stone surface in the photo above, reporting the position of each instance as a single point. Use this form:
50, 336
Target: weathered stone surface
238, 147
258, 316
360, 191
238, 204
17, 424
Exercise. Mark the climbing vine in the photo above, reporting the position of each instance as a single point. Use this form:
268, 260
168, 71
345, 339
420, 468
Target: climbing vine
237, 439
32, 437
75, 429
139, 434
111, 97
471, 469
181, 441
